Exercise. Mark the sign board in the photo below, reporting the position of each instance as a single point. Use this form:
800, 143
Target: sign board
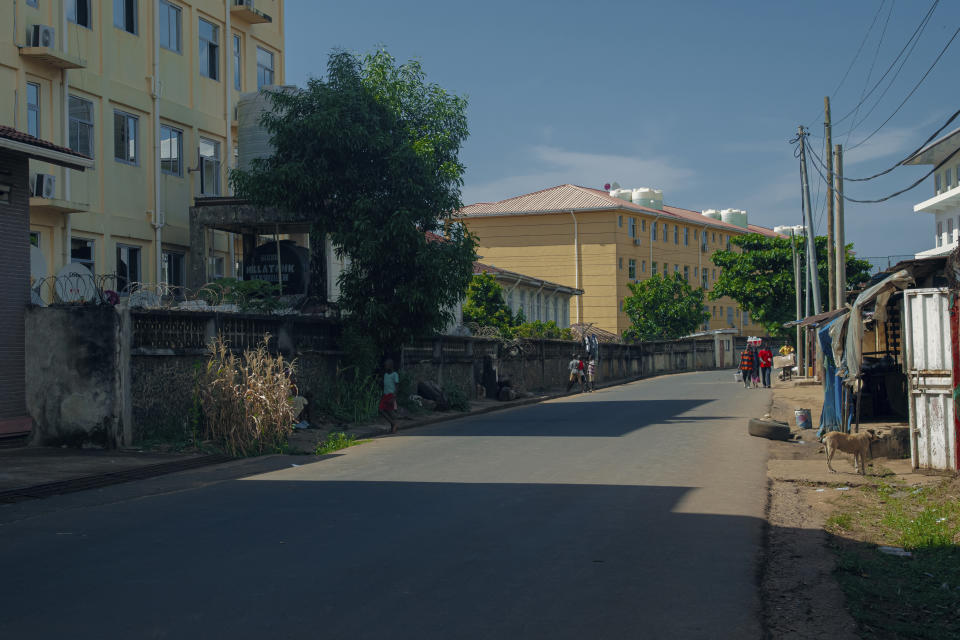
291, 271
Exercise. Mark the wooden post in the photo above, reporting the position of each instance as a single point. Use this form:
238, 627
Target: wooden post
841, 248
832, 297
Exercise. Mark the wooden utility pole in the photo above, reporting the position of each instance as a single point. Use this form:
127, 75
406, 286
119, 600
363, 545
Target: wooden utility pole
814, 281
841, 247
833, 300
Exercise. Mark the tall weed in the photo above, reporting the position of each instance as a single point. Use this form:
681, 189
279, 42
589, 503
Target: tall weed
351, 398
246, 399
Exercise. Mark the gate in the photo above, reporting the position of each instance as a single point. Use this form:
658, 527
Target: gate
928, 364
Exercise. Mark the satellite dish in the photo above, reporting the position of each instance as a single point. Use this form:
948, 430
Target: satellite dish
38, 266
74, 284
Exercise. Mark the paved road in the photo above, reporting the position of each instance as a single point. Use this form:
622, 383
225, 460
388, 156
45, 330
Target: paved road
633, 512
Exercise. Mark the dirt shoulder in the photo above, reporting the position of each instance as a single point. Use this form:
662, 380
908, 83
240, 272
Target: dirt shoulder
823, 575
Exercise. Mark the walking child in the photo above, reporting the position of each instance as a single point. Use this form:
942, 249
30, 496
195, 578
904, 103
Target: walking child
388, 401
746, 366
591, 373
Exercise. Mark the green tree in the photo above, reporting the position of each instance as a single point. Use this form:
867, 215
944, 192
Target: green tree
485, 304
538, 330
371, 152
759, 276
663, 308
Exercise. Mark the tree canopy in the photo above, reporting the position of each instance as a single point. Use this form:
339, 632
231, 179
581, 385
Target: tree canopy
760, 276
663, 308
485, 304
371, 151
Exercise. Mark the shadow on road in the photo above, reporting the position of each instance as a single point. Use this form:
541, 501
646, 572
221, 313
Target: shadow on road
263, 559
597, 418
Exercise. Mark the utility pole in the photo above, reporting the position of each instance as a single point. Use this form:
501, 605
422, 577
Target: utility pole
796, 287
812, 279
841, 247
833, 299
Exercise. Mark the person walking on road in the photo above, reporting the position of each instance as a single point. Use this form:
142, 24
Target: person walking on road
766, 364
388, 401
746, 366
574, 367
591, 375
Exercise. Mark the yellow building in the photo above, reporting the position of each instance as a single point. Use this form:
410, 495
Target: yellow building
147, 88
591, 240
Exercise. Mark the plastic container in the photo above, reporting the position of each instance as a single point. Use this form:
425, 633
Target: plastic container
803, 418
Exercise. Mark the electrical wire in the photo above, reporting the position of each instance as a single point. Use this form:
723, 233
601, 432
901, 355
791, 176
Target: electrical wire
912, 91
915, 35
873, 64
892, 195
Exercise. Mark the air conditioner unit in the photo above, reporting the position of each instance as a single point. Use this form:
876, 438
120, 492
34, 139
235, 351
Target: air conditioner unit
45, 185
636, 241
43, 36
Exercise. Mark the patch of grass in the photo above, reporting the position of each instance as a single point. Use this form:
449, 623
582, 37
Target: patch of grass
350, 397
900, 597
336, 441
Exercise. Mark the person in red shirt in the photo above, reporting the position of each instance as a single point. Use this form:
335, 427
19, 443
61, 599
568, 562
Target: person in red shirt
766, 363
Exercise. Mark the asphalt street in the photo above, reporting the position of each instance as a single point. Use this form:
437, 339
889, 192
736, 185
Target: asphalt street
632, 512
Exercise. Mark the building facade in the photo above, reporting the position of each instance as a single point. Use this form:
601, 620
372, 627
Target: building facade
945, 203
147, 88
591, 240
538, 300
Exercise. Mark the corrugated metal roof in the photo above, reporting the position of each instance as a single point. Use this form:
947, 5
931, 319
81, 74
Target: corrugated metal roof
571, 197
18, 136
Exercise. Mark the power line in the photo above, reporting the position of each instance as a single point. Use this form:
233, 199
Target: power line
908, 156
892, 195
916, 33
912, 91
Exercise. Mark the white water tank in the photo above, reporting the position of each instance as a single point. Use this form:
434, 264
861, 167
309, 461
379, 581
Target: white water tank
787, 229
736, 217
649, 198
711, 213
623, 194
253, 141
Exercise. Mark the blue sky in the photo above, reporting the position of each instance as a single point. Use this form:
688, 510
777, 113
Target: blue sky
696, 98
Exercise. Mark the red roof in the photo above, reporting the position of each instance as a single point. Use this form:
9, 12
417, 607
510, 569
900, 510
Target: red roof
570, 197
19, 136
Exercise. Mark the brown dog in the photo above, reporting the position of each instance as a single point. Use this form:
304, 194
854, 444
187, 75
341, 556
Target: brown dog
857, 444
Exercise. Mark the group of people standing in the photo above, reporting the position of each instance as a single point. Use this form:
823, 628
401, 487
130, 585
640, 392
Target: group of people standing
756, 362
582, 371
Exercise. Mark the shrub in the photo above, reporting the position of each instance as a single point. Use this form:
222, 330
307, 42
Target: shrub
456, 398
350, 398
335, 441
542, 330
246, 399
248, 295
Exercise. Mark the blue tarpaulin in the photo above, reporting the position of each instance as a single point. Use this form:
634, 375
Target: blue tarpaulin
831, 415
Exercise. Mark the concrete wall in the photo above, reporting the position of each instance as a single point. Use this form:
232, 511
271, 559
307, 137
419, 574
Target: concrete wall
74, 374
121, 377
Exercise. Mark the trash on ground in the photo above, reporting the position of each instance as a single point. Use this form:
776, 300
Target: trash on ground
294, 465
820, 490
895, 551
303, 424
843, 488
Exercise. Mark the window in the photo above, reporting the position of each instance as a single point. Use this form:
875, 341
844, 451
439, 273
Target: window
948, 177
32, 3
950, 230
218, 264
632, 269
653, 231
620, 264
556, 311
696, 272
209, 50
665, 225
172, 266
703, 241
35, 239
632, 227
170, 26
686, 236
33, 109
81, 251
714, 274
703, 279
128, 268
730, 316
620, 221
264, 68
728, 243
539, 309
125, 137
676, 234
125, 15
78, 12
209, 167
714, 237
510, 301
81, 126
523, 301
939, 234
686, 273
653, 268
746, 317
171, 150
643, 224
237, 67
643, 267
936, 182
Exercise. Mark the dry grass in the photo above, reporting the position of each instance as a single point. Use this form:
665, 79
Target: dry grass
246, 399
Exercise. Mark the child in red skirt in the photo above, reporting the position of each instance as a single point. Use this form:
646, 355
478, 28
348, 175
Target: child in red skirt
388, 402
